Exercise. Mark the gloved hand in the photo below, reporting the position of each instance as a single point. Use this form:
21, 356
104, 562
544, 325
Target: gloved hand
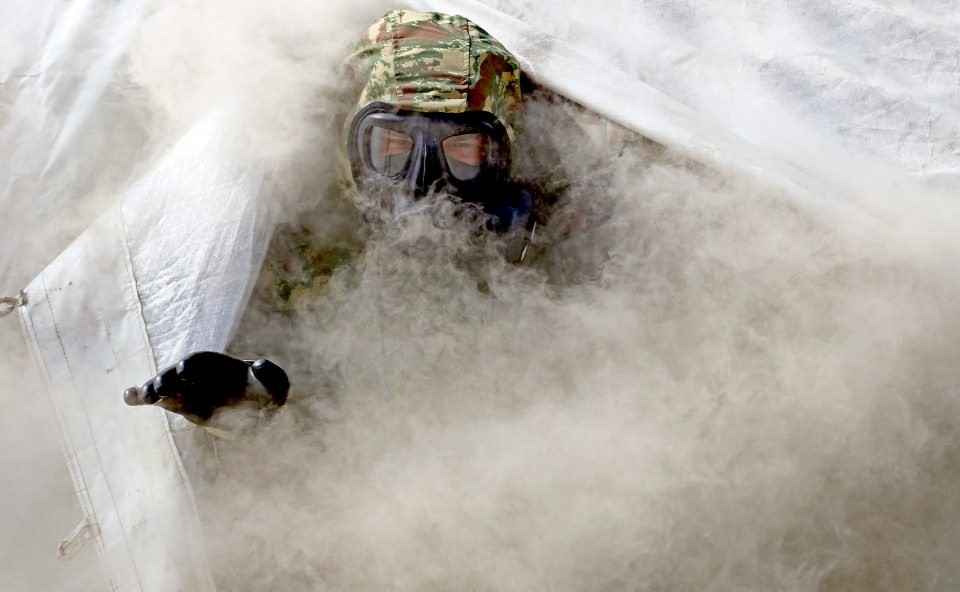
204, 382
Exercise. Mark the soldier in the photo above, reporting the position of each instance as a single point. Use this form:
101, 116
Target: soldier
435, 116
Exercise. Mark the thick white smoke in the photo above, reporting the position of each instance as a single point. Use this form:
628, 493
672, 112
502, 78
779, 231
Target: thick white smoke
696, 381
706, 385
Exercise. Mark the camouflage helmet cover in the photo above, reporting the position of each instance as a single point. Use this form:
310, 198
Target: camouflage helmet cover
437, 63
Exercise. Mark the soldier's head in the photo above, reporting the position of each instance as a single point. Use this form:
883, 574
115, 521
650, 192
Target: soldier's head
437, 110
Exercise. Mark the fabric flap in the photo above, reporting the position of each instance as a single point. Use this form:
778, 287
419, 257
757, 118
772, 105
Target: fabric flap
84, 326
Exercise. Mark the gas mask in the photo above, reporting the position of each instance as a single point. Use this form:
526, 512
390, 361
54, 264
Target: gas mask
466, 155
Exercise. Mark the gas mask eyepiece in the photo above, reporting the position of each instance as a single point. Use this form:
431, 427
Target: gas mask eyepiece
463, 154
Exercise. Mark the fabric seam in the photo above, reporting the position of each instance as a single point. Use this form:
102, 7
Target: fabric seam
70, 454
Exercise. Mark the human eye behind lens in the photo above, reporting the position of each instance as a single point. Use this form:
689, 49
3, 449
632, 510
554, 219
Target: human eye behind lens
389, 150
398, 143
470, 149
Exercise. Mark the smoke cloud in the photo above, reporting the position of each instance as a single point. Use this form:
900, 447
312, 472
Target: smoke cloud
695, 380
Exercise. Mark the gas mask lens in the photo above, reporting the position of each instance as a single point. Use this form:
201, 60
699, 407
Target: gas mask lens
389, 150
466, 154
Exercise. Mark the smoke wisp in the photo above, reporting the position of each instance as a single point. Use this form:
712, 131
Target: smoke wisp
695, 380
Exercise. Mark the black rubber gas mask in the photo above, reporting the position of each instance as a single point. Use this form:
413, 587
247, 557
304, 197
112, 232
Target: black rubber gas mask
462, 154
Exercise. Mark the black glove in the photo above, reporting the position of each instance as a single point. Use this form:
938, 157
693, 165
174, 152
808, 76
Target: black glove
204, 382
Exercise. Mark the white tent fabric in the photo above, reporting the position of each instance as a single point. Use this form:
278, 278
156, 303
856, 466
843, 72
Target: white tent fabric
90, 343
197, 236
95, 327
603, 87
169, 270
869, 78
67, 129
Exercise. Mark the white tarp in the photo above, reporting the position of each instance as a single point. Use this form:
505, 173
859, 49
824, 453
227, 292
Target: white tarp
173, 263
90, 343
95, 328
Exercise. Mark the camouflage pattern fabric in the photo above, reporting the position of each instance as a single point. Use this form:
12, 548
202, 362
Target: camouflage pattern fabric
431, 62
437, 63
